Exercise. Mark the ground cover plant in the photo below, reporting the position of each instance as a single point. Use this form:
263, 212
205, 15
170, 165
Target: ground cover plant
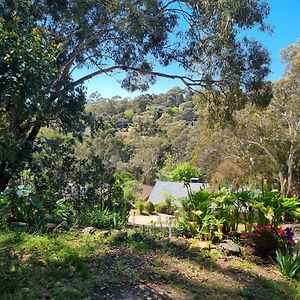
73, 265
288, 264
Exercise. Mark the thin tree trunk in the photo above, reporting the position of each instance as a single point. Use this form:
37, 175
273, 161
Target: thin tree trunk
282, 182
290, 171
4, 177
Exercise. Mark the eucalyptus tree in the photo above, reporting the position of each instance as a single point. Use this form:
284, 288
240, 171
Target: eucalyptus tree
264, 143
43, 43
276, 130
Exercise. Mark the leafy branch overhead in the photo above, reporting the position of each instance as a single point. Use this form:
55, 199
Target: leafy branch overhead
204, 37
43, 44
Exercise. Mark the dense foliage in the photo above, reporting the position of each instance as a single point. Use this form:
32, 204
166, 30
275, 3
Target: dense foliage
66, 160
59, 185
43, 43
152, 134
212, 214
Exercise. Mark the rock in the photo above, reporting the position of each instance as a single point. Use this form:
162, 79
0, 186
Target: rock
20, 224
105, 232
119, 235
25, 290
230, 247
162, 242
181, 243
63, 226
50, 227
58, 284
89, 230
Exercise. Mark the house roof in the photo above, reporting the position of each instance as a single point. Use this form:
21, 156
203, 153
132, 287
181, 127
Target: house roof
145, 193
175, 189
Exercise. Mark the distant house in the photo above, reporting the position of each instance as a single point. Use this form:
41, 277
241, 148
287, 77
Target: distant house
145, 192
177, 190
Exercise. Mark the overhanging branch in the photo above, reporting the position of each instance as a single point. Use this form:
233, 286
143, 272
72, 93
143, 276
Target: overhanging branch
188, 81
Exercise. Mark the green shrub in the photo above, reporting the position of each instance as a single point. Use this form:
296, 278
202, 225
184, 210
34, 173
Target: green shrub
21, 204
106, 219
182, 228
288, 265
140, 206
164, 208
167, 206
103, 219
85, 218
63, 211
149, 207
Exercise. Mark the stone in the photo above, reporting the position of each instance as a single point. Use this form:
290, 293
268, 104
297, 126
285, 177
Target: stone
162, 242
19, 224
25, 290
58, 284
50, 227
181, 243
230, 247
119, 235
63, 226
105, 232
89, 230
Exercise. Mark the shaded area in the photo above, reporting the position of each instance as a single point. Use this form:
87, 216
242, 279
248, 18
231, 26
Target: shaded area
73, 266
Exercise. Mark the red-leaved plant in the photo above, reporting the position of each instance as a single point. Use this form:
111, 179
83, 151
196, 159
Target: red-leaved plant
267, 239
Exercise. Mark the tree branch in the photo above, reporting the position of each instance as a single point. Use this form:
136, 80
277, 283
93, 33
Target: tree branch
188, 81
265, 149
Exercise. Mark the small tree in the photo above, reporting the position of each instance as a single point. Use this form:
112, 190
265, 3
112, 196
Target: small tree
185, 172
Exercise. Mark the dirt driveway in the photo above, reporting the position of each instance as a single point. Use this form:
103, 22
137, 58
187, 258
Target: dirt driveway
157, 220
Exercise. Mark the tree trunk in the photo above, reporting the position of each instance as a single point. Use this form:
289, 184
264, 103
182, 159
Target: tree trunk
290, 171
282, 183
4, 177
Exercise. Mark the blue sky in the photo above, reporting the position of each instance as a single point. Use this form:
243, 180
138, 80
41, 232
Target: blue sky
284, 16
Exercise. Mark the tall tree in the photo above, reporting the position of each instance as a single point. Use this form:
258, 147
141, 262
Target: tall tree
49, 40
277, 129
263, 143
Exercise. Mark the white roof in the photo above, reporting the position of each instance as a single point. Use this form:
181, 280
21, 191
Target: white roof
177, 190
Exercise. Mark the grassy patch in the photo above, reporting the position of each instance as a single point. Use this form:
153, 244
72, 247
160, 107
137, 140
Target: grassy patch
73, 266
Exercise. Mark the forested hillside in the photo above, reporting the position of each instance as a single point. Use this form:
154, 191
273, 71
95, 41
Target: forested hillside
151, 134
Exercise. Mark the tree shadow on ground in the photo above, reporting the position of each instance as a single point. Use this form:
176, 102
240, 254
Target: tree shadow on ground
251, 284
130, 269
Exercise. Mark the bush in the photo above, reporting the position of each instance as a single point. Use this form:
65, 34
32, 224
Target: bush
182, 227
267, 240
19, 203
63, 211
104, 218
166, 207
140, 206
149, 207
288, 265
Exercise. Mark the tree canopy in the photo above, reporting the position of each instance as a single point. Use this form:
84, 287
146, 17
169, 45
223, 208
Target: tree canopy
44, 42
